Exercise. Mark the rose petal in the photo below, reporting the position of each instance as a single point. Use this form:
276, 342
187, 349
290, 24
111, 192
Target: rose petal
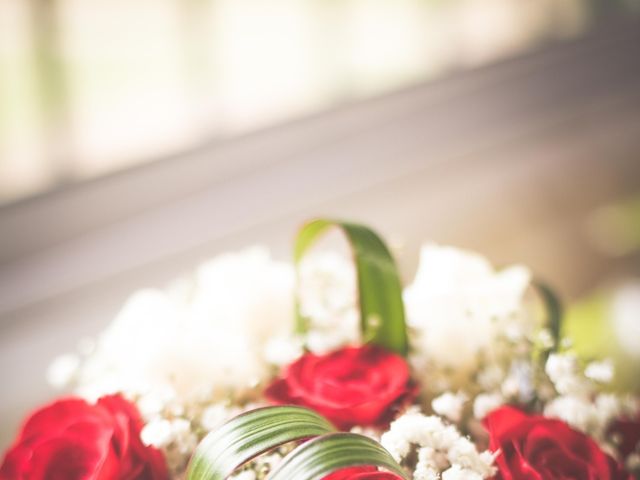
361, 473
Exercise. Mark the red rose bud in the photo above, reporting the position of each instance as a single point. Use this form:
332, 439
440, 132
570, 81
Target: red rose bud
361, 473
71, 439
351, 386
539, 448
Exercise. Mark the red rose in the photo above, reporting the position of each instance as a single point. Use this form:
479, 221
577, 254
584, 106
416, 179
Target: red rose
361, 473
351, 386
533, 447
626, 434
73, 440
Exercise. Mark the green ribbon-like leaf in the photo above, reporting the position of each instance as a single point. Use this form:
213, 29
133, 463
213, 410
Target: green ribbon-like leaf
553, 309
250, 434
317, 458
382, 319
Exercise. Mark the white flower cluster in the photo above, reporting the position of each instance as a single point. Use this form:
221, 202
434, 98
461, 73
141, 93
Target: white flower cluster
174, 437
457, 308
327, 296
580, 402
176, 429
443, 453
203, 338
512, 382
565, 373
450, 405
484, 403
186, 353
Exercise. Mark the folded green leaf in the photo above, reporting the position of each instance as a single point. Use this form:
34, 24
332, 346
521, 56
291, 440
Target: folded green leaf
553, 310
317, 458
382, 318
250, 434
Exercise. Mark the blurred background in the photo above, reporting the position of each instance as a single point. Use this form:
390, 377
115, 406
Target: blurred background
138, 138
92, 87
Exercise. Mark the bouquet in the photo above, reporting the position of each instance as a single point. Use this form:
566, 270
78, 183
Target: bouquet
327, 368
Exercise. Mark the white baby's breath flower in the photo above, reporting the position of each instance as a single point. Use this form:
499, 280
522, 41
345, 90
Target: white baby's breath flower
440, 447
456, 472
576, 410
519, 382
430, 464
63, 370
563, 370
465, 454
544, 338
327, 286
183, 434
457, 305
371, 432
426, 468
281, 351
488, 458
491, 377
215, 415
157, 433
590, 415
607, 406
601, 371
155, 401
450, 405
323, 340
485, 403
174, 437
327, 295
203, 339
271, 460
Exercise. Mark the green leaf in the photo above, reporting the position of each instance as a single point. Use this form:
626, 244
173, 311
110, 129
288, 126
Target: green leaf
382, 319
317, 458
553, 309
250, 434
